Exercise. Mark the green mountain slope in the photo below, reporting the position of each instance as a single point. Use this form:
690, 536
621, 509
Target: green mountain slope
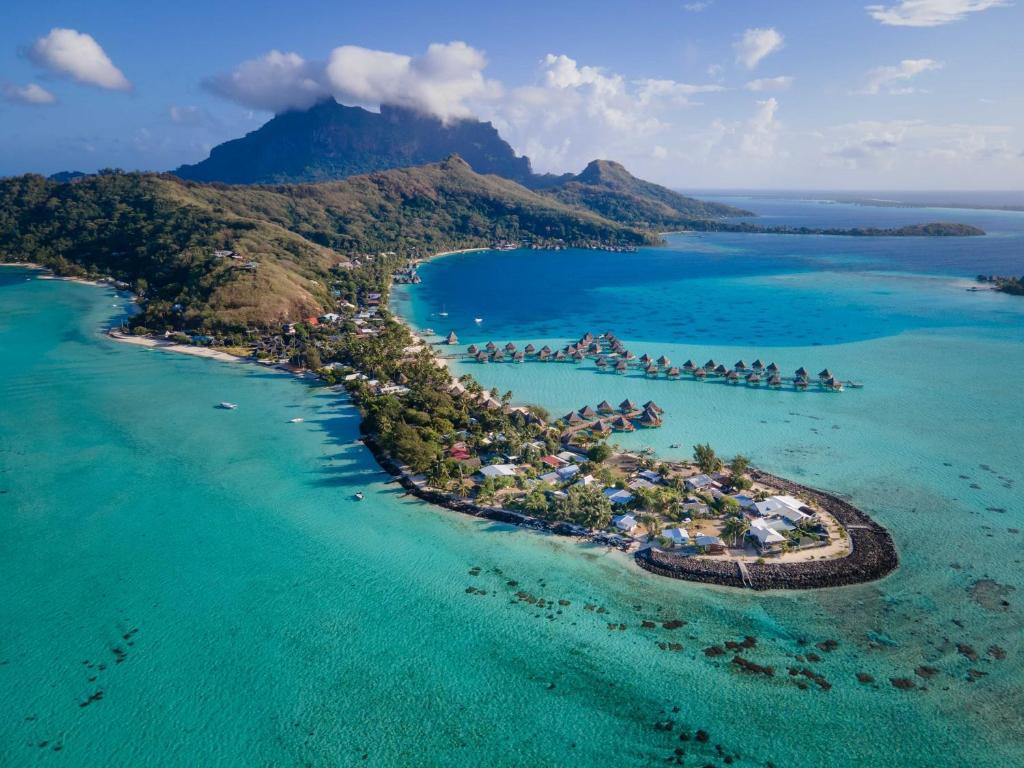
159, 233
608, 189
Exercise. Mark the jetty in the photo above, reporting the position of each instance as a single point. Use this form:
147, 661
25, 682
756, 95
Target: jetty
610, 355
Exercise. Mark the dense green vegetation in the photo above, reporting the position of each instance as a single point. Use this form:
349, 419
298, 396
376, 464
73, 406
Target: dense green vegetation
159, 234
608, 189
1011, 285
934, 229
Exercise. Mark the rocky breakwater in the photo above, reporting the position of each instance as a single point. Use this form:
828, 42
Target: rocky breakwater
873, 554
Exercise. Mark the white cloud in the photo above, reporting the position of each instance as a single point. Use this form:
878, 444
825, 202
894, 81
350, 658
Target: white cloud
31, 95
780, 83
762, 131
916, 146
929, 13
79, 56
755, 45
188, 115
440, 82
880, 77
697, 7
274, 82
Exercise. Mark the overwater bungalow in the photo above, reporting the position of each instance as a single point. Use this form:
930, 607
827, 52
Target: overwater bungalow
740, 366
772, 368
587, 337
732, 377
577, 356
700, 373
651, 370
801, 373
481, 356
832, 384
627, 355
559, 355
601, 363
622, 424
673, 373
510, 348
645, 360
529, 349
710, 365
753, 379
472, 350
451, 338
627, 406
587, 412
663, 361
544, 354
620, 367
600, 428
825, 374
545, 349
490, 346
689, 366
605, 407
800, 383
757, 366
775, 381
498, 356
650, 419
650, 405
572, 418
594, 348
721, 370
519, 357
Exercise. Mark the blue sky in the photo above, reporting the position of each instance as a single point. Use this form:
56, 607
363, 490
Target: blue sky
905, 94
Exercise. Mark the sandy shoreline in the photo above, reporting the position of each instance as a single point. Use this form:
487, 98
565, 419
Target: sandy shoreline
170, 346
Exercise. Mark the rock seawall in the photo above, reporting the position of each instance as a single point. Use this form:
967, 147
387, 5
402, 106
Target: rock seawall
873, 553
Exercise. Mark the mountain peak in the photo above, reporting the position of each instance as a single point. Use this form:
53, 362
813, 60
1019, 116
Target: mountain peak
604, 171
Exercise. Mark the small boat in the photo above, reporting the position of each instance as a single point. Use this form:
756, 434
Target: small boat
228, 406
359, 496
296, 420
443, 312
478, 320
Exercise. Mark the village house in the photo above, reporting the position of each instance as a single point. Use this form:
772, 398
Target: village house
496, 471
677, 537
618, 495
625, 523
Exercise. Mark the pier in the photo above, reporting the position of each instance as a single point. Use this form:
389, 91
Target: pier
609, 355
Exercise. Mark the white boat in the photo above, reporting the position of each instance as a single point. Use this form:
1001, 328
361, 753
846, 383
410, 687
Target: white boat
443, 312
478, 320
359, 496
228, 406
296, 420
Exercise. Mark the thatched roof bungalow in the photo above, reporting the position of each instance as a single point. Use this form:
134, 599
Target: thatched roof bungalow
490, 346
740, 366
673, 373
627, 406
663, 361
587, 412
622, 424
605, 407
650, 405
451, 338
472, 349
621, 366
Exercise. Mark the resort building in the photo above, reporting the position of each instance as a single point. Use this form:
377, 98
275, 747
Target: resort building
677, 537
618, 495
624, 523
497, 470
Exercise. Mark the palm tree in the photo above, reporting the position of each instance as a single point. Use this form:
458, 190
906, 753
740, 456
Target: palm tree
652, 524
734, 528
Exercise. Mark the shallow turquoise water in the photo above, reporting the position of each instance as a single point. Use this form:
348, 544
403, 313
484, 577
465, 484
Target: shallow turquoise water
282, 623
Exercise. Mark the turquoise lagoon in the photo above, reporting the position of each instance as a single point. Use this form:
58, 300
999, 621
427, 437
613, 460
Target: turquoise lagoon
261, 616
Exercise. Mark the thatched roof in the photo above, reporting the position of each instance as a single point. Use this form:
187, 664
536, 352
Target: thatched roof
801, 373
572, 418
733, 376
529, 349
621, 365
600, 427
559, 355
481, 356
775, 381
605, 407
627, 406
499, 355
595, 347
772, 368
741, 365
645, 358
519, 357
753, 379
825, 374
623, 424
673, 372
451, 338
700, 373
577, 356
544, 354
490, 346
663, 361
651, 370
710, 365
650, 405
757, 365
601, 362
471, 349
689, 365
510, 347
721, 370
650, 419
587, 412
546, 348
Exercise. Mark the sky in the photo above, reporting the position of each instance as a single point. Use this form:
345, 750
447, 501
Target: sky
831, 94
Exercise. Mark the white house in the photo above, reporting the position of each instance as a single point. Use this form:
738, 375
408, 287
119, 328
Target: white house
781, 506
618, 495
625, 523
498, 470
713, 543
679, 537
567, 472
765, 534
587, 480
700, 482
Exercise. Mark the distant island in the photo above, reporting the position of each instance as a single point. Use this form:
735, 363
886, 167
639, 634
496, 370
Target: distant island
1011, 285
934, 229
